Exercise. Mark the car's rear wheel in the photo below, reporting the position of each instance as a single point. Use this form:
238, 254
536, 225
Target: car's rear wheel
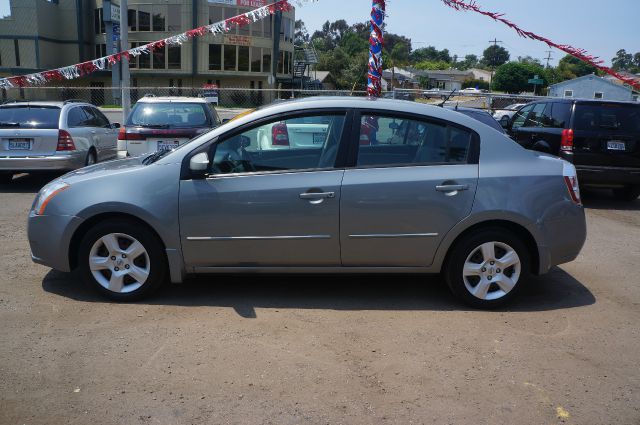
122, 260
628, 193
6, 178
488, 268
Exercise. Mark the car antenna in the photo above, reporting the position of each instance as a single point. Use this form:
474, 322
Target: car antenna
446, 99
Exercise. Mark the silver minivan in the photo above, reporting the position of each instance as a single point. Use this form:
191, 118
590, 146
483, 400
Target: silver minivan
48, 136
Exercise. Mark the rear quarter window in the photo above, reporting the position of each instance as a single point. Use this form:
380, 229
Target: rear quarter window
29, 117
621, 118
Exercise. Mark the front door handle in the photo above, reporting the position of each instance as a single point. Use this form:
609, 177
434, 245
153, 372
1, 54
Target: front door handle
317, 195
452, 188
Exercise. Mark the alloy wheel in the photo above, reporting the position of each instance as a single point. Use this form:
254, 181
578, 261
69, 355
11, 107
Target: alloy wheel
491, 271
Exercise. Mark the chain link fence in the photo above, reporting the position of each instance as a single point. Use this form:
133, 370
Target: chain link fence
252, 98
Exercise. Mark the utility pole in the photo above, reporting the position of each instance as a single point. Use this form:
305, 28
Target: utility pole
548, 58
112, 35
124, 45
495, 42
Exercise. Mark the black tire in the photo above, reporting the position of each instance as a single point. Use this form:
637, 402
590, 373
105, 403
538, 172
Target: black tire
627, 193
157, 263
91, 159
453, 271
6, 178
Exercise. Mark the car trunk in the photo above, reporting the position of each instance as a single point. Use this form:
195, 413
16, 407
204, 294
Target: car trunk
141, 140
607, 134
28, 130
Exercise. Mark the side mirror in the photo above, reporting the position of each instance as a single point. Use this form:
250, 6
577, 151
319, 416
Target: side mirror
505, 122
199, 164
115, 125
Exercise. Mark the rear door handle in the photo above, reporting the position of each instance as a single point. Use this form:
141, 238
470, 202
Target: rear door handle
318, 195
452, 188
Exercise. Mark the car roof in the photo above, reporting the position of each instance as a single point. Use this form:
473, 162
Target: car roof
171, 99
578, 100
58, 104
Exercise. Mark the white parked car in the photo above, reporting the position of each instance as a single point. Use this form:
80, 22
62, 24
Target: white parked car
471, 90
298, 133
503, 116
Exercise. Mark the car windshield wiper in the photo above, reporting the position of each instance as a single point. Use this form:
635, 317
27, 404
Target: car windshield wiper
154, 157
9, 124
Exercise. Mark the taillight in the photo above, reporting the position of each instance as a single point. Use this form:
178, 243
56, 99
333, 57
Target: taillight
571, 180
280, 135
123, 135
65, 141
566, 144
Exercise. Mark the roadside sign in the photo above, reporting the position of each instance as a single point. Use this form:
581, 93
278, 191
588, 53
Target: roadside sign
536, 81
211, 93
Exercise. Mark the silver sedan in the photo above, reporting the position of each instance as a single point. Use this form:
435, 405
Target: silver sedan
385, 187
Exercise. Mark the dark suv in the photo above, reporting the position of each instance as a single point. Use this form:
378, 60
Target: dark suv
601, 138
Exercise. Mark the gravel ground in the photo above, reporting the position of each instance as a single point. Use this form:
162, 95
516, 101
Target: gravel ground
323, 350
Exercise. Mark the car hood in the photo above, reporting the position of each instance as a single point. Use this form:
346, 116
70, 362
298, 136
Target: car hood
104, 169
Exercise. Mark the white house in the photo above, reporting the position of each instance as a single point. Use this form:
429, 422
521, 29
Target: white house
591, 87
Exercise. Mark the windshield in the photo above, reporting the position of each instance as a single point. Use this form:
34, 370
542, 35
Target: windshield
169, 115
607, 116
25, 116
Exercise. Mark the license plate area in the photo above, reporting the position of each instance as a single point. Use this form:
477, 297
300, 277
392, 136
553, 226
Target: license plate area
167, 145
19, 144
616, 145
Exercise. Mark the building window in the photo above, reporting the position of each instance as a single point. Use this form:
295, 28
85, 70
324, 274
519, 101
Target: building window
281, 63
598, 95
568, 93
244, 29
215, 57
159, 57
132, 19
174, 17
98, 22
266, 60
215, 14
230, 53
144, 18
16, 48
243, 58
144, 61
174, 56
268, 25
256, 28
159, 18
286, 62
256, 59
101, 50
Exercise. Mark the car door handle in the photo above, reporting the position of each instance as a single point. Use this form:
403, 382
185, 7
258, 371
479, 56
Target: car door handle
318, 195
452, 188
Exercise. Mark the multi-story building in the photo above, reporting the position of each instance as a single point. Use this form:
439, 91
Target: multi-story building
45, 34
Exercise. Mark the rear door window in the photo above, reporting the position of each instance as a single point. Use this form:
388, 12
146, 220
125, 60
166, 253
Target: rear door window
621, 118
97, 119
169, 115
521, 116
29, 117
398, 141
536, 117
77, 117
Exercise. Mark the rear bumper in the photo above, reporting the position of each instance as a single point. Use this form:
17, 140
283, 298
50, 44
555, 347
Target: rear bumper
595, 175
69, 161
49, 239
565, 233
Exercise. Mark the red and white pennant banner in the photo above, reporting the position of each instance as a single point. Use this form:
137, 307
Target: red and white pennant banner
85, 68
581, 54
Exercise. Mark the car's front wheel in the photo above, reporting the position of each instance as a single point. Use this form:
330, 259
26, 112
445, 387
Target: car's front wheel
487, 269
122, 260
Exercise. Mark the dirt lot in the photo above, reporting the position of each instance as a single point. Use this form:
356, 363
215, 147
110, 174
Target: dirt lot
300, 350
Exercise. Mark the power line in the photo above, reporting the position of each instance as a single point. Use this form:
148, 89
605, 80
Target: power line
495, 42
548, 58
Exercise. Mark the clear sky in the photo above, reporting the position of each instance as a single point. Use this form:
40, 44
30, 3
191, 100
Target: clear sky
602, 28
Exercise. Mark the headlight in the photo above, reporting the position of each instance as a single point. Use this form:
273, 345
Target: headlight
47, 194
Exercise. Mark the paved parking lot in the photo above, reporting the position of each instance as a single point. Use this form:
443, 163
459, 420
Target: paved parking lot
312, 350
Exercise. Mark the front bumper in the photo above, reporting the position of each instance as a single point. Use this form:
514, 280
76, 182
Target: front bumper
49, 239
57, 162
594, 175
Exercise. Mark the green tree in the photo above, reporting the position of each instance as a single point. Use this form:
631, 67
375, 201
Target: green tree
495, 56
513, 77
430, 54
623, 61
432, 66
571, 67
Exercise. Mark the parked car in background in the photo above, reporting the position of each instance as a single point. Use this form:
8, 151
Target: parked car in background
164, 123
436, 93
400, 94
503, 116
471, 90
479, 115
601, 138
445, 196
48, 136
